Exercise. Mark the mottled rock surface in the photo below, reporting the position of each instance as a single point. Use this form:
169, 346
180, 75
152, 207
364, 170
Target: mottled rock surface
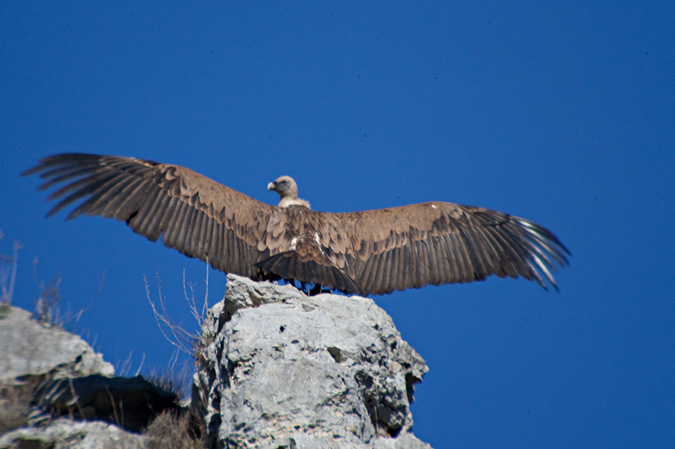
67, 434
281, 369
30, 348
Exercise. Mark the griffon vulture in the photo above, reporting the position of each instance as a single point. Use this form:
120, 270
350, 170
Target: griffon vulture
370, 252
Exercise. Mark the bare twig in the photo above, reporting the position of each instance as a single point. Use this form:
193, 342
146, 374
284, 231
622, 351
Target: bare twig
124, 368
172, 331
198, 316
8, 271
46, 307
140, 367
118, 417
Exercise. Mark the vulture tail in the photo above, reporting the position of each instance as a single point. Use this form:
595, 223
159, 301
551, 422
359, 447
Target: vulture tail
288, 265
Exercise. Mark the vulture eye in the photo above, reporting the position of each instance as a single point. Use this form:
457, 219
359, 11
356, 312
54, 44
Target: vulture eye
283, 183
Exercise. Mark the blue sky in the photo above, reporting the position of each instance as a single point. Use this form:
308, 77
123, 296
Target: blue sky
560, 112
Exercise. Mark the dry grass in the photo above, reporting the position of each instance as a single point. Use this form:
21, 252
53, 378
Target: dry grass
47, 307
47, 310
169, 431
17, 402
177, 380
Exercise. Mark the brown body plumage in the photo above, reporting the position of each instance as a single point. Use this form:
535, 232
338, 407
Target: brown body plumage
369, 252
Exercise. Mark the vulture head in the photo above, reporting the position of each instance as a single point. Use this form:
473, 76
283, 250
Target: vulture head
287, 189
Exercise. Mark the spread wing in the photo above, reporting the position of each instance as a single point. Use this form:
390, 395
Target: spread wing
370, 252
439, 243
192, 213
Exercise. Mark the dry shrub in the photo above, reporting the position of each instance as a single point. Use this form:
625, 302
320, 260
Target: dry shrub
169, 431
8, 270
173, 379
16, 404
173, 332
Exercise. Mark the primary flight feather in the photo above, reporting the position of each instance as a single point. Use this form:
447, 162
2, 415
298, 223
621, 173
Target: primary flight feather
369, 252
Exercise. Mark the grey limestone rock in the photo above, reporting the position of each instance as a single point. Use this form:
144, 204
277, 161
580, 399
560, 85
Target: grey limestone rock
30, 348
280, 369
47, 373
67, 434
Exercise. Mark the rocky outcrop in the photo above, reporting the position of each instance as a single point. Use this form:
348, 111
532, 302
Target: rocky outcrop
281, 369
30, 348
69, 434
274, 369
48, 374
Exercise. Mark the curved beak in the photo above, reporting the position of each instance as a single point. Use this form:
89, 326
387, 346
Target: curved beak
271, 186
